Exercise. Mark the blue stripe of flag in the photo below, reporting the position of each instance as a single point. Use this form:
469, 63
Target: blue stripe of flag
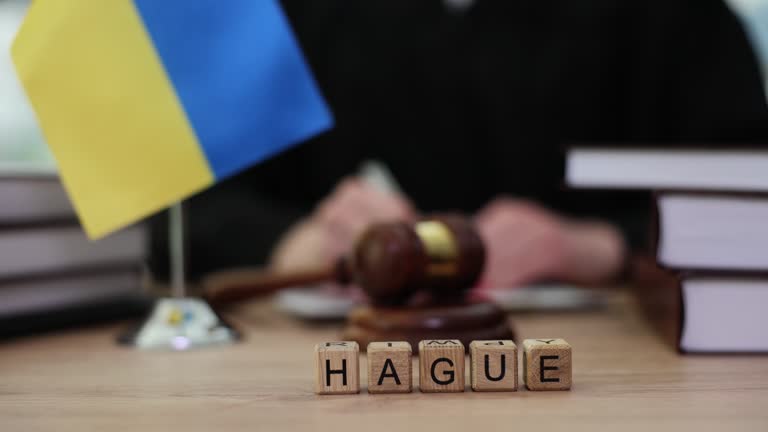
240, 76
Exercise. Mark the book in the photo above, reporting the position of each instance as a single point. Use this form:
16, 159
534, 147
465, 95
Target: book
716, 169
110, 309
712, 231
73, 298
59, 291
134, 305
32, 249
32, 197
704, 312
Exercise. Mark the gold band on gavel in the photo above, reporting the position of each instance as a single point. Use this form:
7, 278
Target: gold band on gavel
441, 248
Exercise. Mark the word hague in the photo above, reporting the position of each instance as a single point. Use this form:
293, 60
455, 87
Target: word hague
493, 366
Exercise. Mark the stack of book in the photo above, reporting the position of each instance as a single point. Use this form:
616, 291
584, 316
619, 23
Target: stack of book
51, 275
704, 283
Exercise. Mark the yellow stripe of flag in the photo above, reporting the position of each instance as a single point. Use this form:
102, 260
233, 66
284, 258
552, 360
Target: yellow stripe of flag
112, 132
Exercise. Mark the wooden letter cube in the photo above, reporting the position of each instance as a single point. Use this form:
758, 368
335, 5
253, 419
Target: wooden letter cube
441, 366
389, 367
493, 365
338, 368
547, 364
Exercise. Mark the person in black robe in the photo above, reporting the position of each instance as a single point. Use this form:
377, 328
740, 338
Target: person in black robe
471, 105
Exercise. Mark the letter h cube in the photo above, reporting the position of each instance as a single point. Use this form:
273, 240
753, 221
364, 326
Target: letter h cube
337, 368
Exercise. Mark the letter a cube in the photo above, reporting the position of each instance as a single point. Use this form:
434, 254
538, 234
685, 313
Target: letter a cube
547, 364
389, 367
493, 365
441, 366
337, 368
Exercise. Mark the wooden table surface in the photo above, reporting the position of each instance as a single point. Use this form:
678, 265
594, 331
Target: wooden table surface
624, 379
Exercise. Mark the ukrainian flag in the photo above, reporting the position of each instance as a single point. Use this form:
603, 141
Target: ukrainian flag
145, 102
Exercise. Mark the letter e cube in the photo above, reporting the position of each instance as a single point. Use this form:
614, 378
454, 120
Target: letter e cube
547, 364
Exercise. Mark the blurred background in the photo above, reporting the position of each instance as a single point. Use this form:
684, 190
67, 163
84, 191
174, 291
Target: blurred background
469, 106
21, 138
466, 101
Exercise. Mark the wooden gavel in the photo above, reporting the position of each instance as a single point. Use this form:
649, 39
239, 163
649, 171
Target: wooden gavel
390, 262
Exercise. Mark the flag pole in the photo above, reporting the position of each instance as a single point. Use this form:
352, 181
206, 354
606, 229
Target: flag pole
180, 322
177, 250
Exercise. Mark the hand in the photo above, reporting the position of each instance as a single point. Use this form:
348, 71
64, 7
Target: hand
336, 223
527, 243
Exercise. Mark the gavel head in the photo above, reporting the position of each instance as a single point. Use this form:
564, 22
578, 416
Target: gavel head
443, 254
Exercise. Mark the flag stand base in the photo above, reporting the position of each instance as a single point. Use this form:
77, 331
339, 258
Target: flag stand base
180, 324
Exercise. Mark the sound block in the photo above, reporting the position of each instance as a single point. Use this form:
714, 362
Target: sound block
466, 322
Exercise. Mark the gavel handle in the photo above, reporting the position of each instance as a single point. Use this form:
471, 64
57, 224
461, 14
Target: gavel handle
236, 285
